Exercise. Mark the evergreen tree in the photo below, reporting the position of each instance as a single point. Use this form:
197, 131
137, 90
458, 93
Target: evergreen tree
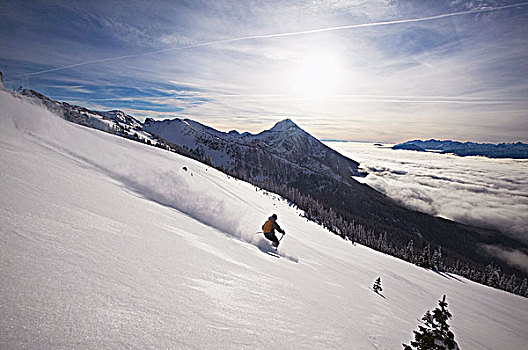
377, 285
423, 261
523, 289
436, 261
511, 284
409, 251
492, 277
435, 333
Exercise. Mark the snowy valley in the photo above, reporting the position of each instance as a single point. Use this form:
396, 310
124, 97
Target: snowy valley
109, 243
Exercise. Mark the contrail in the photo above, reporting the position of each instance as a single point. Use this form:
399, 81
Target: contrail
332, 98
266, 36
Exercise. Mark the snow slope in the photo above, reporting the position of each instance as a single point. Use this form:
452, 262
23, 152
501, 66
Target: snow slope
109, 243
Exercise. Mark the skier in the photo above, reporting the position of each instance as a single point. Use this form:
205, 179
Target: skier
269, 228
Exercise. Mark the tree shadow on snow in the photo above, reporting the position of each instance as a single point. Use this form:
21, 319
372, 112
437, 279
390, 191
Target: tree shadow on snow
447, 276
381, 295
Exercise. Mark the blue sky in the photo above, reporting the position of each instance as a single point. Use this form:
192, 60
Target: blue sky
373, 70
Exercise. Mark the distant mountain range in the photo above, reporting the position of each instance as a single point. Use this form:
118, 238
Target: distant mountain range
287, 160
517, 150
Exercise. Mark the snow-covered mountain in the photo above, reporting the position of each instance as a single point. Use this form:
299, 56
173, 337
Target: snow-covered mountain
114, 122
517, 150
284, 142
233, 151
109, 243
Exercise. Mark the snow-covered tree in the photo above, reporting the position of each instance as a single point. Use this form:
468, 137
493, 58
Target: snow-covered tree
435, 333
424, 260
408, 252
377, 285
523, 289
436, 261
511, 284
492, 276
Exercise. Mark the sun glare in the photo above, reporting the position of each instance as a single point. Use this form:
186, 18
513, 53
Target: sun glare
318, 75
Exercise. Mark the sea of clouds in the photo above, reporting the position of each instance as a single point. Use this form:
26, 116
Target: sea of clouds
479, 191
491, 193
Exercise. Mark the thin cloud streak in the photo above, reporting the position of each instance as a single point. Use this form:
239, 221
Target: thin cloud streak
338, 98
373, 98
267, 36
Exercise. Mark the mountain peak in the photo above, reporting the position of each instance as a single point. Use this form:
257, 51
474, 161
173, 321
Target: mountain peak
284, 125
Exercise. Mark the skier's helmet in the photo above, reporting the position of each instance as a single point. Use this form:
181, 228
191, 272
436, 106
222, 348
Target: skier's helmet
274, 216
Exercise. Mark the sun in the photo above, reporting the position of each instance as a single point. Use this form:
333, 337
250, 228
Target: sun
318, 75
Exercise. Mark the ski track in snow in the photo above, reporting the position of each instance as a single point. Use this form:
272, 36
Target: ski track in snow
108, 243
